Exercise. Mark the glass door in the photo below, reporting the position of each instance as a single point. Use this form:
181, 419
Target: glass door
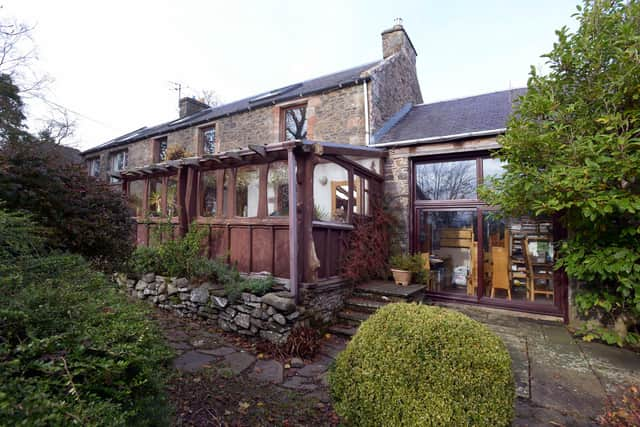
449, 239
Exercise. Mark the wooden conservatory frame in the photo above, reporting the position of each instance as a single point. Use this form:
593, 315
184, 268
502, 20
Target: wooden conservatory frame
296, 247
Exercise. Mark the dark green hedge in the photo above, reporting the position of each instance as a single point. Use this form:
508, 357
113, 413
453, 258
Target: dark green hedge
73, 350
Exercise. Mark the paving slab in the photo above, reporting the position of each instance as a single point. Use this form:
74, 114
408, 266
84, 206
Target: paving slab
615, 367
239, 361
300, 383
220, 352
178, 345
270, 371
313, 370
192, 361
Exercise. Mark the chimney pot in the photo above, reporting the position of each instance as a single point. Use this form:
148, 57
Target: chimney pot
395, 39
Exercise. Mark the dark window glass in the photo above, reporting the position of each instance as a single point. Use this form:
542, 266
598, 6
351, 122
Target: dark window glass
162, 150
446, 180
295, 123
155, 197
209, 138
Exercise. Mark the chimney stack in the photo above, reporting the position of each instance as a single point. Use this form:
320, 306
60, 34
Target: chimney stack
395, 40
189, 106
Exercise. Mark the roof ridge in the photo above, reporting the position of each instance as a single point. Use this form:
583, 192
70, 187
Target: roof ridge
461, 98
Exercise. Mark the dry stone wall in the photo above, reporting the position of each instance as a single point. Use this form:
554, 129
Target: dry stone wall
271, 316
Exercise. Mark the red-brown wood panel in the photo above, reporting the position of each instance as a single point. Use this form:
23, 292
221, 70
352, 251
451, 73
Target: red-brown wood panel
261, 249
281, 253
218, 242
241, 248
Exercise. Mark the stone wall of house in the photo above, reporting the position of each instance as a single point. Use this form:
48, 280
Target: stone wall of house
271, 316
397, 170
336, 116
393, 84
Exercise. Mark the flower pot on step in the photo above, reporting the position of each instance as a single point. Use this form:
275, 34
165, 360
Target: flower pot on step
401, 277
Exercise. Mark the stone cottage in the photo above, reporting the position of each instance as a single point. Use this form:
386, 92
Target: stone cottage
329, 147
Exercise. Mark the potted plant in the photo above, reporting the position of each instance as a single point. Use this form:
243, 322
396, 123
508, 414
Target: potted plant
401, 268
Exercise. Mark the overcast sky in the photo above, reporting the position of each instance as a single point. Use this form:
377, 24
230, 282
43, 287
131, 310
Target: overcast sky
113, 61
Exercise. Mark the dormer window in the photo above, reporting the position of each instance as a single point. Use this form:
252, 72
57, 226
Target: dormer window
209, 140
294, 123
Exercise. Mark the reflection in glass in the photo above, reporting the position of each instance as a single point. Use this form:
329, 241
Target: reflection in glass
155, 197
518, 259
330, 192
446, 180
209, 193
492, 168
172, 196
278, 189
449, 238
247, 191
136, 196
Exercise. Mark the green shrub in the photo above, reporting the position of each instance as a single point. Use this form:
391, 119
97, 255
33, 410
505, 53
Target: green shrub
255, 286
144, 260
73, 350
416, 365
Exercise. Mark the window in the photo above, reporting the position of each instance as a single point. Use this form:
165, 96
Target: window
119, 162
278, 189
155, 197
136, 197
247, 191
162, 149
172, 196
330, 192
93, 166
209, 193
295, 123
209, 140
453, 180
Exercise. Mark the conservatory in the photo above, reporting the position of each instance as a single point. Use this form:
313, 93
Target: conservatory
284, 208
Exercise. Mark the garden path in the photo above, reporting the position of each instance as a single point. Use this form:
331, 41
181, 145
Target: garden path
559, 380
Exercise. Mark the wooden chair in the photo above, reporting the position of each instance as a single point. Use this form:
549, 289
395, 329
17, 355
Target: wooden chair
500, 273
430, 274
540, 271
472, 282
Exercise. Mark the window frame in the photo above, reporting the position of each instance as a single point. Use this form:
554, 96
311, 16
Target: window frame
157, 149
202, 130
112, 161
283, 119
90, 163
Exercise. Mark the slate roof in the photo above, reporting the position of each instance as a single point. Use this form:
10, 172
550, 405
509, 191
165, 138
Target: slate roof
337, 80
479, 113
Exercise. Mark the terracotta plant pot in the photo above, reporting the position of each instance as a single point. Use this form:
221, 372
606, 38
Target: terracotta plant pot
401, 277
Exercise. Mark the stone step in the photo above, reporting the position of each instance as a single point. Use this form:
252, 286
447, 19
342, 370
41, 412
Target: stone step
361, 293
353, 317
343, 330
391, 290
369, 305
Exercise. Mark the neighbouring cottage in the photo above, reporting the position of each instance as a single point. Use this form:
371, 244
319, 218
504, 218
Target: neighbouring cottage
332, 147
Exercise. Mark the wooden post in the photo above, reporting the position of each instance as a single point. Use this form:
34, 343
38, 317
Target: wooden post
262, 191
310, 259
293, 224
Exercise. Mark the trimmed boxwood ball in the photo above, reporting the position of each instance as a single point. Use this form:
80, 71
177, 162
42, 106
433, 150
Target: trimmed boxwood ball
417, 365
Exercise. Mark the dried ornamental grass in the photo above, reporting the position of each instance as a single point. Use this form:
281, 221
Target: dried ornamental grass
415, 365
